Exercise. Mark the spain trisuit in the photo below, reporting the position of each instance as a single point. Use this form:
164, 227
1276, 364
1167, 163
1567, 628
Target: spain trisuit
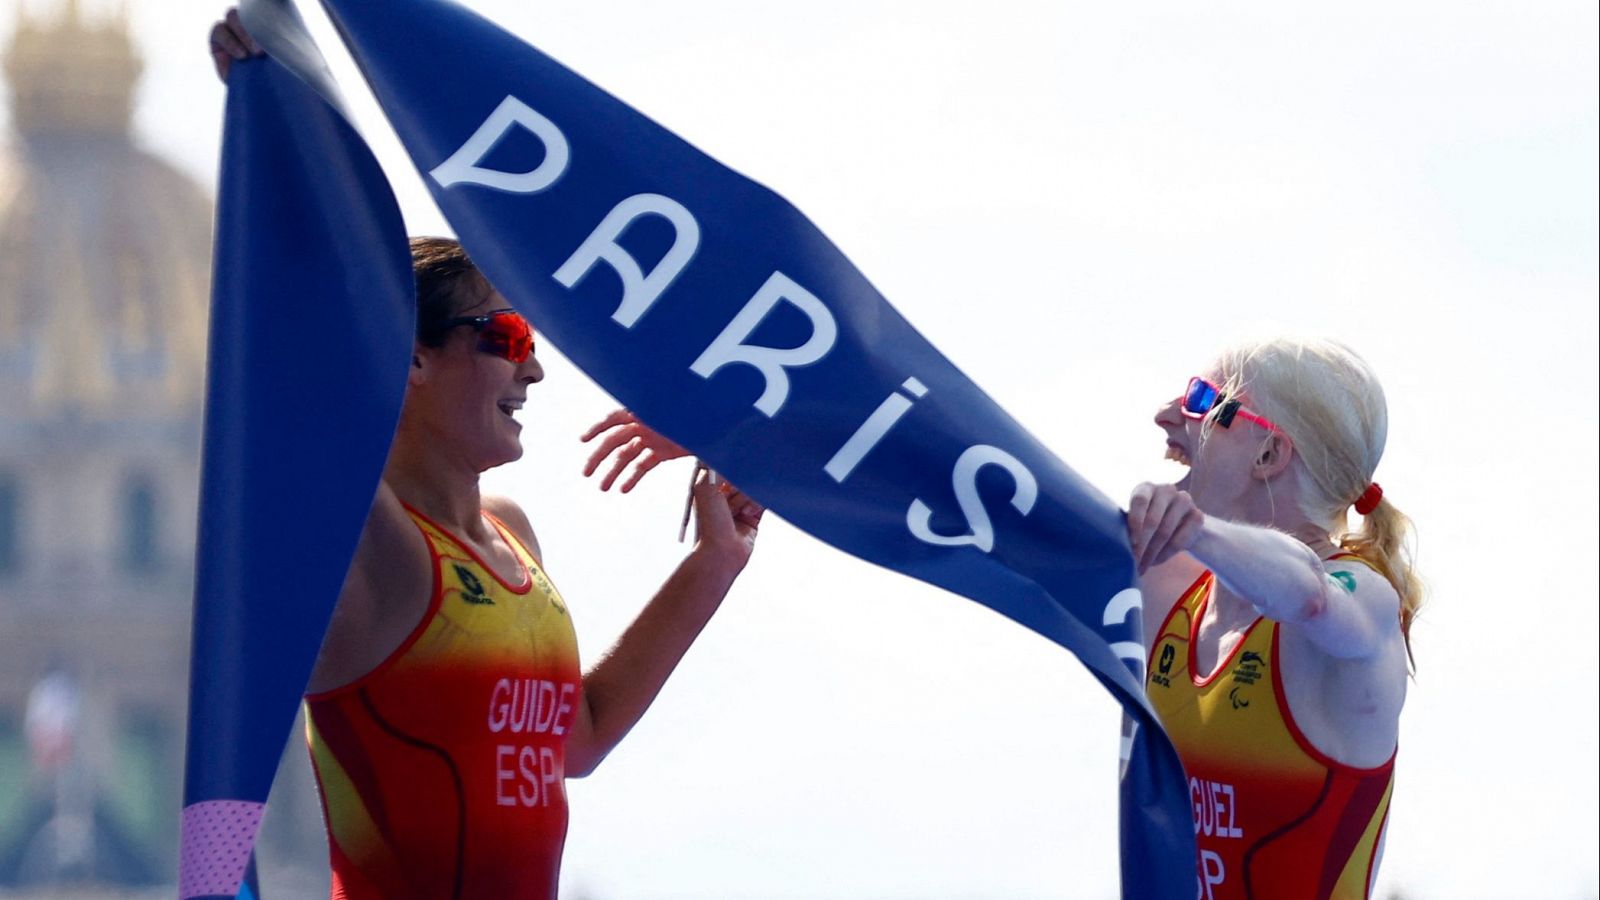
441, 772
1274, 818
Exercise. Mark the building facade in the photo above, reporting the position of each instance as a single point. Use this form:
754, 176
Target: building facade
104, 282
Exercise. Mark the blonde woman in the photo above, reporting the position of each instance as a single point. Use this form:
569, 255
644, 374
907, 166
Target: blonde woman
1277, 635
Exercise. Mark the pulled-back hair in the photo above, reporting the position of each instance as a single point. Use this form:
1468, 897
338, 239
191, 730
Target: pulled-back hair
447, 284
1331, 406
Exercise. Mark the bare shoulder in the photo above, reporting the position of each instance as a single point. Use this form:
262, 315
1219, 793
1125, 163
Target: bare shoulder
511, 515
1368, 589
1357, 578
1360, 615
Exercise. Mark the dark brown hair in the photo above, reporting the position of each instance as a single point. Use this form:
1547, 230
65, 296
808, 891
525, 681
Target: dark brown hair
447, 285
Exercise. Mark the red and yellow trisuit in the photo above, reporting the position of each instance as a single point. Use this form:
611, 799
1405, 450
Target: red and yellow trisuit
1274, 818
442, 771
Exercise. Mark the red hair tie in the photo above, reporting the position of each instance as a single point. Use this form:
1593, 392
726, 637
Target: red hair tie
1368, 501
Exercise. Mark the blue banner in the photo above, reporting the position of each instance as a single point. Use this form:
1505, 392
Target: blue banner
718, 313
311, 322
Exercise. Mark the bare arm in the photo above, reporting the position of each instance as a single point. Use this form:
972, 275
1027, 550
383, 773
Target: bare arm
625, 681
1346, 610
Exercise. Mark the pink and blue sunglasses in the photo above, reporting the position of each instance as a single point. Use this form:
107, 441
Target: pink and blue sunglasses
1201, 396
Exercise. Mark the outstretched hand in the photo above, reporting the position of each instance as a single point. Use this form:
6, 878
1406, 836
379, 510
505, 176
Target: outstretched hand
632, 442
230, 42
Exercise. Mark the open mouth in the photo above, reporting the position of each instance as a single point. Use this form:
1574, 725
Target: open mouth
1177, 454
510, 407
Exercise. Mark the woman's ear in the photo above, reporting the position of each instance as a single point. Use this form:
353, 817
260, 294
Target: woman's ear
1276, 452
418, 373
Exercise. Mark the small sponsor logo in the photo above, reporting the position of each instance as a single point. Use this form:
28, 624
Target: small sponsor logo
1164, 666
471, 588
1245, 674
1346, 581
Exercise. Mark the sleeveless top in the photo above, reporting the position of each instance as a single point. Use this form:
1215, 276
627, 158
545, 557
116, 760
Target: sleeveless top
441, 771
1274, 818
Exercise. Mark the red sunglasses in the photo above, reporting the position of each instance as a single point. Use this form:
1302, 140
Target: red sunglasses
501, 332
1201, 396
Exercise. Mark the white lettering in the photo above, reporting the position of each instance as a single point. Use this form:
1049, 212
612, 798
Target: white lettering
1196, 801
531, 705
873, 430
527, 765
502, 774
919, 517
462, 166
1212, 874
729, 346
639, 291
548, 775
546, 708
563, 715
521, 694
499, 711
1233, 831
1219, 807
1123, 604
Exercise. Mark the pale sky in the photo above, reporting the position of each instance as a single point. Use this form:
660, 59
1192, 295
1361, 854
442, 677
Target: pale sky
1079, 203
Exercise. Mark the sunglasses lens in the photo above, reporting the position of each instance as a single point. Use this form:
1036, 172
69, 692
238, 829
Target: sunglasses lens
1200, 397
507, 335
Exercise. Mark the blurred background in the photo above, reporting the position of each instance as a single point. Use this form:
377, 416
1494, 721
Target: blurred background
1078, 204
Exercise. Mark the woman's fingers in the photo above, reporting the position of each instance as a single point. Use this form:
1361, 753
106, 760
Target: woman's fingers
225, 48
1162, 521
1181, 539
612, 420
1160, 535
230, 41
647, 461
1145, 509
1179, 525
628, 437
606, 448
236, 24
625, 455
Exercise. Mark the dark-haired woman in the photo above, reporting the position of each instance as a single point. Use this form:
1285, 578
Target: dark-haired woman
447, 706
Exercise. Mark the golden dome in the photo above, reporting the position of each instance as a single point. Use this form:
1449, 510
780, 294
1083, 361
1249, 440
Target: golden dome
104, 249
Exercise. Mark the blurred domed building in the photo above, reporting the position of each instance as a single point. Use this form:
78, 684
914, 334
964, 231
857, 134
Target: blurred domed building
104, 256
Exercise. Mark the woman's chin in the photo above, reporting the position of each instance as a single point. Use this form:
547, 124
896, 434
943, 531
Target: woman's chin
510, 452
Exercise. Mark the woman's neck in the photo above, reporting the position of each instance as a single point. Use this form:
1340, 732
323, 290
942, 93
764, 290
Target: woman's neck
442, 489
